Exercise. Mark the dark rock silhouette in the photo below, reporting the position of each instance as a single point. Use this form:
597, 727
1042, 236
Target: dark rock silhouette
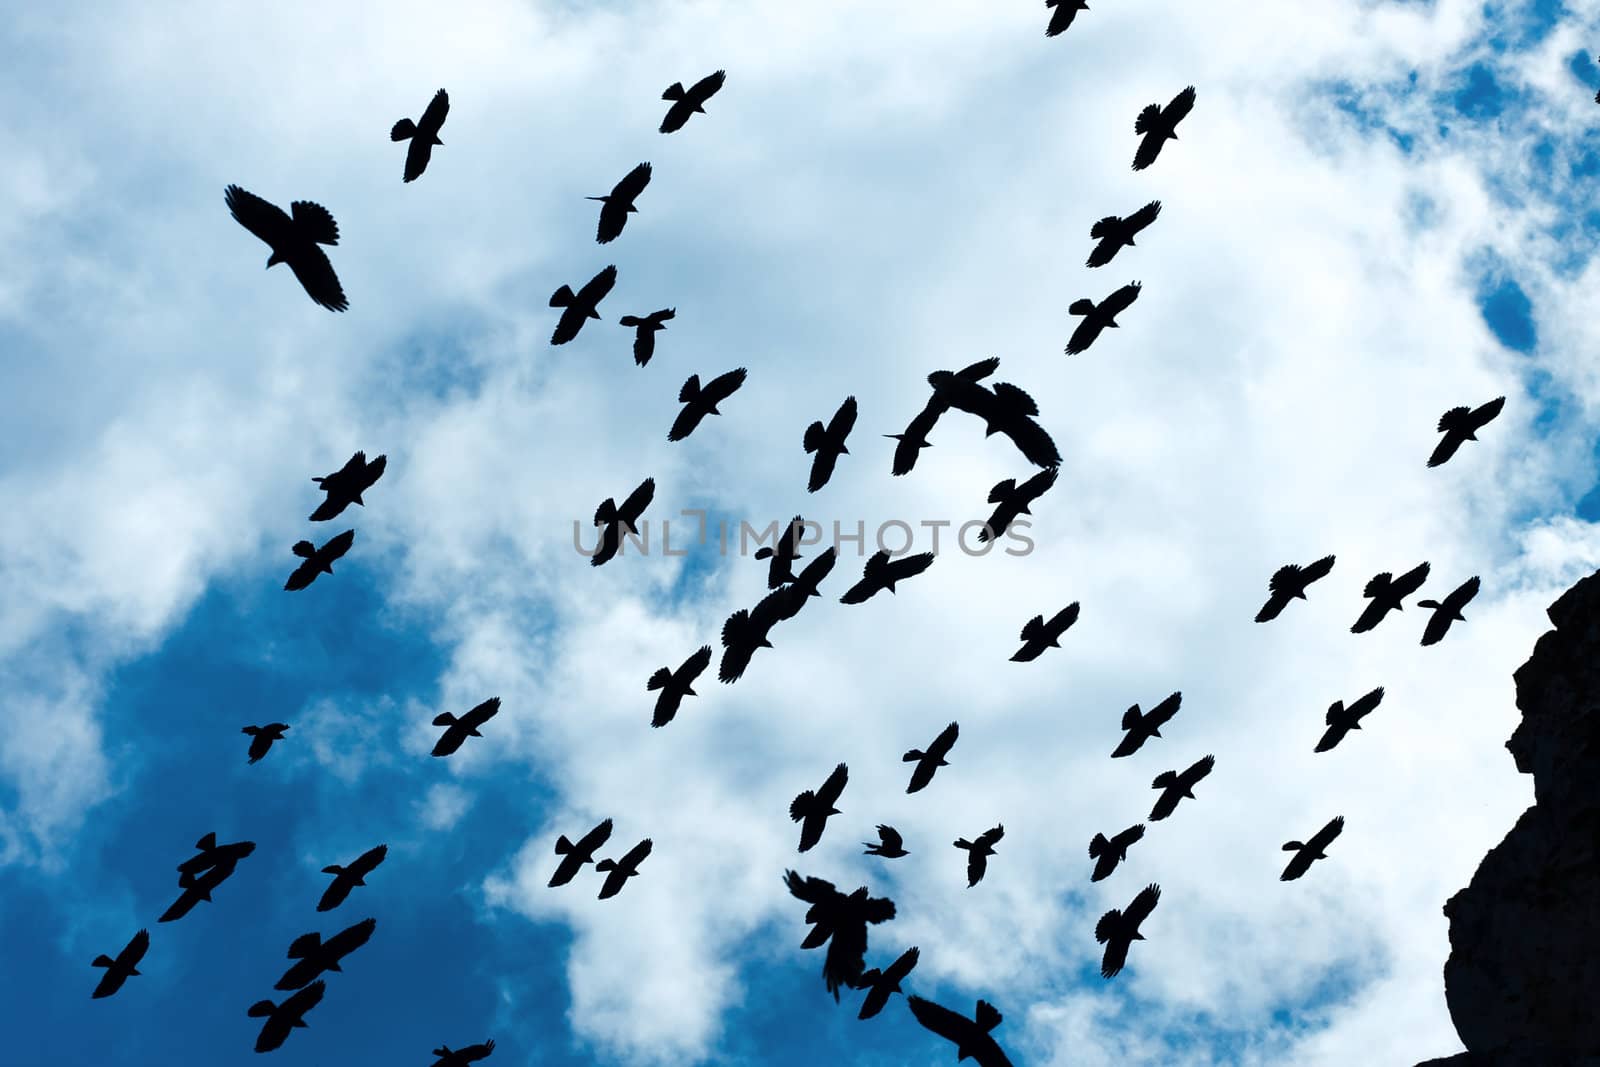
1011, 500
1115, 234
1038, 635
1099, 317
1308, 852
614, 209
261, 738
346, 878
423, 135
1159, 125
1108, 853
971, 1037
978, 852
1386, 592
614, 521
1176, 786
686, 102
825, 444
294, 241
889, 844
578, 308
646, 327
675, 686
460, 1057
880, 985
1460, 425
125, 966
1289, 582
317, 560
931, 760
701, 400
1341, 720
458, 730
881, 572
1065, 11
574, 856
1448, 610
283, 1018
811, 808
619, 871
314, 955
1142, 727
1118, 930
345, 485
841, 921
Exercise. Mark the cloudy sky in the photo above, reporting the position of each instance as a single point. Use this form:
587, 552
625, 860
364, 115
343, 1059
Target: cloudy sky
1376, 211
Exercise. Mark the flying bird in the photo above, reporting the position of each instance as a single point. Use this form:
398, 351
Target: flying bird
880, 985
261, 737
783, 554
674, 687
971, 1037
1175, 786
460, 1057
345, 485
1159, 125
423, 135
619, 871
1118, 930
1386, 593
615, 521
1447, 611
283, 1018
615, 207
1004, 409
1038, 635
915, 439
200, 875
1115, 234
125, 966
687, 102
979, 851
1012, 500
294, 241
312, 955
881, 573
1460, 425
574, 856
317, 560
792, 597
825, 444
1099, 317
745, 631
841, 921
931, 760
580, 307
811, 809
1341, 720
646, 327
1065, 12
346, 878
699, 401
1142, 727
1108, 853
888, 845
1309, 852
458, 730
1288, 583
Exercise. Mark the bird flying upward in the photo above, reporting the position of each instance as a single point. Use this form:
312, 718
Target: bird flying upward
1099, 317
578, 308
614, 521
1012, 500
1175, 786
261, 738
978, 852
294, 240
125, 966
1108, 853
825, 444
283, 1018
675, 686
1114, 233
347, 877
317, 560
574, 856
1448, 610
1118, 930
345, 485
687, 102
1460, 425
1288, 583
971, 1037
699, 401
458, 730
1159, 125
423, 135
880, 985
1386, 593
811, 808
931, 760
1307, 853
889, 844
618, 203
1142, 727
881, 572
646, 327
619, 871
1038, 635
1341, 720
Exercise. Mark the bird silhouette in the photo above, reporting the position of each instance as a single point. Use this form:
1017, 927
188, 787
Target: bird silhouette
674, 687
1288, 583
699, 401
1448, 610
1099, 317
261, 737
1115, 234
458, 730
747, 630
825, 444
346, 878
1341, 720
790, 598
1142, 728
979, 851
578, 308
1175, 786
1118, 930
841, 921
345, 485
686, 102
283, 1018
312, 955
1159, 125
882, 573
1386, 593
1460, 425
811, 808
1065, 11
971, 1037
574, 856
915, 439
125, 966
1108, 853
880, 985
423, 135
1309, 852
783, 554
1038, 635
614, 521
931, 760
646, 327
888, 845
460, 1057
294, 241
1012, 500
1004, 409
619, 871
200, 875
615, 207
317, 560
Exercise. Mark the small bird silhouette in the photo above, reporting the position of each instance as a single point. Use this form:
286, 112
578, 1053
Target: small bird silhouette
1108, 853
317, 560
1099, 317
783, 554
972, 1037
458, 730
283, 1018
1448, 610
1460, 425
888, 845
931, 760
261, 737
1118, 930
1308, 853
1012, 500
1065, 12
199, 876
794, 596
880, 985
675, 686
1038, 635
125, 966
1386, 593
699, 401
1341, 720
979, 851
1142, 728
881, 573
346, 878
294, 241
1288, 583
1004, 409
578, 308
1159, 125
811, 808
687, 102
646, 327
423, 135
460, 1057
614, 521
1115, 234
345, 485
745, 631
619, 871
574, 856
314, 955
616, 205
825, 444
1175, 786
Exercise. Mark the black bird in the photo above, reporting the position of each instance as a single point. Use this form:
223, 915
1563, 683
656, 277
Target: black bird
783, 554
747, 630
1176, 785
841, 921
825, 444
880, 985
211, 856
125, 966
1012, 500
574, 856
1065, 12
971, 1037
317, 560
346, 878
888, 845
1460, 425
1098, 317
615, 521
197, 889
1142, 728
619, 871
794, 596
1447, 611
915, 439
1160, 125
931, 760
1118, 930
616, 206
1386, 593
458, 730
699, 401
1004, 409
580, 307
345, 485
979, 851
1309, 852
312, 955
1288, 583
460, 1057
1341, 720
283, 1018
294, 241
1116, 233
261, 737
646, 327
423, 135
686, 103
674, 687
1108, 853
1038, 635
811, 809
881, 573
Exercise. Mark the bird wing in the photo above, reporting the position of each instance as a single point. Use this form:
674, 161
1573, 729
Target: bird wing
1326, 834
941, 1020
1366, 703
1120, 300
724, 385
695, 665
843, 420
1410, 581
1485, 414
1143, 217
706, 87
1462, 594
637, 501
433, 117
1129, 836
369, 475
1180, 106
910, 565
418, 152
316, 276
989, 837
942, 744
1164, 711
137, 946
266, 220
1143, 904
1446, 448
481, 714
685, 423
632, 184
368, 860
810, 890
1312, 572
636, 854
1150, 147
901, 966
890, 837
595, 289
1063, 620
1198, 770
337, 545
829, 793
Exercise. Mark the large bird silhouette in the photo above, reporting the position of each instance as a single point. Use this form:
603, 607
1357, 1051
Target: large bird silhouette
316, 560
345, 485
932, 759
882, 573
825, 444
1107, 853
1012, 500
841, 921
971, 1037
1307, 853
978, 852
747, 630
614, 521
458, 730
125, 966
645, 329
1004, 409
1118, 930
1288, 583
1159, 125
423, 135
261, 738
1114, 233
1099, 317
578, 308
880, 985
1386, 593
1460, 425
1341, 720
575, 855
1175, 786
616, 205
312, 955
1448, 610
915, 439
619, 871
294, 241
701, 400
675, 686
1065, 11
889, 844
1038, 635
686, 102
1142, 727
811, 808
348, 876
460, 1057
283, 1018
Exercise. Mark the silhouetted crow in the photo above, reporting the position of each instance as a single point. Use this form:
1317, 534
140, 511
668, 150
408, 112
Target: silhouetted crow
745, 631
1341, 720
197, 889
646, 327
783, 554
1098, 317
1012, 500
616, 205
458, 730
615, 521
880, 985
1447, 611
423, 135
970, 1036
979, 851
931, 760
317, 560
212, 855
699, 401
1065, 12
915, 439
795, 595
841, 921
462, 1056
811, 809
1311, 851
125, 966
1142, 728
889, 844
619, 871
1116, 233
674, 687
261, 737
1175, 786
1005, 409
686, 103
574, 856
1107, 854
1386, 593
1460, 425
1038, 635
1159, 125
1118, 930
283, 1018
1288, 583
345, 485
826, 443
346, 878
578, 308
881, 573
314, 955
294, 241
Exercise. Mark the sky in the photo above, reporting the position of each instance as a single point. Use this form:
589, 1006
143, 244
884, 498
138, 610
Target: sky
1376, 212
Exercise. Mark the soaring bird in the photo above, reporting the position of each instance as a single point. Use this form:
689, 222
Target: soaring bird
675, 686
841, 921
1012, 500
783, 554
1159, 125
423, 135
646, 327
345, 485
811, 808
619, 871
1177, 785
1386, 593
261, 737
1142, 728
1448, 610
460, 1057
1065, 12
1341, 720
199, 875
1116, 233
915, 439
1038, 635
283, 1018
881, 573
578, 308
1309, 852
971, 1037
880, 985
1098, 317
294, 241
747, 630
1118, 930
931, 760
125, 966
686, 103
1460, 425
347, 877
317, 560
615, 521
979, 851
888, 845
312, 955
825, 444
1004, 409
794, 596
1288, 583
458, 730
618, 203
699, 401
1108, 853
574, 856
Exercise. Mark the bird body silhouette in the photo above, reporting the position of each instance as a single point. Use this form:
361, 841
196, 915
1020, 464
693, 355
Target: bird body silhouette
915, 439
978, 853
645, 329
1159, 125
1099, 317
1004, 409
578, 308
880, 985
888, 845
261, 738
458, 730
881, 572
423, 135
1038, 635
789, 599
317, 560
462, 1056
1108, 853
619, 871
1307, 853
345, 485
125, 966
1176, 785
745, 631
199, 876
1289, 583
1448, 610
1142, 728
841, 921
314, 955
825, 444
1012, 500
686, 102
574, 856
614, 521
1118, 930
972, 1037
811, 809
675, 686
931, 760
1114, 233
1341, 720
283, 1018
1386, 593
294, 240
783, 554
1460, 425
1065, 11
615, 207
699, 401
346, 878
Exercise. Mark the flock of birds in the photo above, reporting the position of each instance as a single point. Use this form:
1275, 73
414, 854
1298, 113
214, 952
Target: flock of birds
837, 919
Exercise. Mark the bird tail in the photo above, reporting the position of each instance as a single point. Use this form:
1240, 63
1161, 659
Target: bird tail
444, 718
207, 843
659, 679
690, 390
987, 1015
913, 756
1081, 306
563, 846
402, 130
813, 438
101, 960
674, 92
1002, 490
962, 842
1098, 846
801, 805
1107, 926
1105, 227
868, 978
304, 549
1147, 118
261, 1009
1293, 846
562, 297
303, 946
1429, 604
606, 865
1378, 585
606, 512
